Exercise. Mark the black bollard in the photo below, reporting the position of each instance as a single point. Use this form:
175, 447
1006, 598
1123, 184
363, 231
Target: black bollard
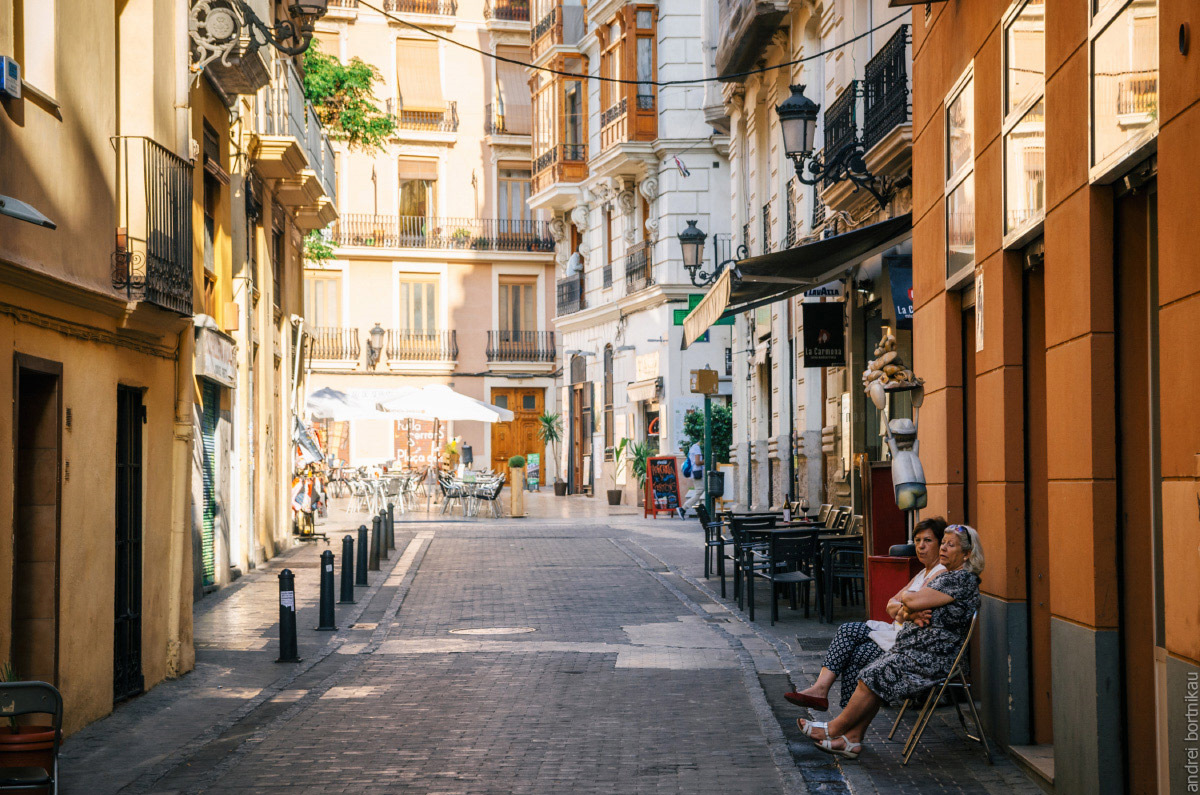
326, 614
347, 571
383, 550
391, 525
360, 571
287, 617
373, 560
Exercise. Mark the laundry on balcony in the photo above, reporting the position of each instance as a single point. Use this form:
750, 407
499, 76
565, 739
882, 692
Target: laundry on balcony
767, 278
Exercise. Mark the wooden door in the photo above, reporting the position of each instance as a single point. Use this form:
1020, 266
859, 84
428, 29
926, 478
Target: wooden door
520, 436
578, 435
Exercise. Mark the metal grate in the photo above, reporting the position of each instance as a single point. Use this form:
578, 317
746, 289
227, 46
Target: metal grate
410, 231
639, 268
508, 10
570, 295
421, 346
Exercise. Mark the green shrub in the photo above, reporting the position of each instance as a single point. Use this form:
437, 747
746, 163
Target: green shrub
516, 462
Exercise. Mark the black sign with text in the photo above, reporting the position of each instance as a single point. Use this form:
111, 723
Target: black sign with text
824, 334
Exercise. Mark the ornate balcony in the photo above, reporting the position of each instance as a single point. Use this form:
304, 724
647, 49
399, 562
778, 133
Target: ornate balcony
841, 121
570, 295
425, 120
746, 28
407, 231
561, 163
440, 8
886, 104
520, 346
152, 260
507, 10
639, 268
405, 345
335, 343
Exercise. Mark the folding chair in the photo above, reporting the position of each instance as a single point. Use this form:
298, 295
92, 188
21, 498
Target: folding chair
957, 680
714, 541
27, 698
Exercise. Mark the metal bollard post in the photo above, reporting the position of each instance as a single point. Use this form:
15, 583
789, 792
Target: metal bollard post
347, 571
391, 531
288, 651
383, 549
373, 560
326, 611
360, 571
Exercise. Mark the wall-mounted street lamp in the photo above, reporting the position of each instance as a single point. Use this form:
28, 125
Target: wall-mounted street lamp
798, 121
691, 240
374, 345
216, 28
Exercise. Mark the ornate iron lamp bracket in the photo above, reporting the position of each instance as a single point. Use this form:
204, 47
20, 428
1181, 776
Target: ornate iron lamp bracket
216, 26
846, 163
702, 278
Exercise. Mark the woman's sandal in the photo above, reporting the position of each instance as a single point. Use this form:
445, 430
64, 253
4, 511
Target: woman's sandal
806, 726
826, 745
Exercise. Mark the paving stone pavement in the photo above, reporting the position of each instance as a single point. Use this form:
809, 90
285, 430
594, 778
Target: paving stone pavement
635, 678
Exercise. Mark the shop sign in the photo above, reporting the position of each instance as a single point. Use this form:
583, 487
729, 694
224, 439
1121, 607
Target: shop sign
824, 335
214, 357
646, 366
902, 294
835, 289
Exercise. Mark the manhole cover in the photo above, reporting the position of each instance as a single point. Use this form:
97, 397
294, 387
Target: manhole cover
492, 631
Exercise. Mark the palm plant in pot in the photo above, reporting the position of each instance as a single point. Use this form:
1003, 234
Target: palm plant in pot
614, 494
24, 745
550, 432
640, 453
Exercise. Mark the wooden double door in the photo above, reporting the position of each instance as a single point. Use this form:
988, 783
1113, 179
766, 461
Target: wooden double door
520, 436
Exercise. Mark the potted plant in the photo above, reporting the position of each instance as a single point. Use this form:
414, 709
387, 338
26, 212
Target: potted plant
25, 745
615, 493
550, 432
516, 476
460, 237
640, 453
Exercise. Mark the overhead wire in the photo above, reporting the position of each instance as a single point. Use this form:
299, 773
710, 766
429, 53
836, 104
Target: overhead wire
624, 81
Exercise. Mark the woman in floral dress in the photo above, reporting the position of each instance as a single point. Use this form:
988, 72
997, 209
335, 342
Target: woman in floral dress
924, 650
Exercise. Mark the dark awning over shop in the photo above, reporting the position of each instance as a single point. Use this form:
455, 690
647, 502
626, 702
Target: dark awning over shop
771, 277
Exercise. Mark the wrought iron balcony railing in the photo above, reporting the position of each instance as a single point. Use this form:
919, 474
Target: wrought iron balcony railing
886, 103
282, 110
409, 231
545, 24
639, 268
792, 227
767, 242
406, 345
507, 10
841, 122
152, 260
612, 114
425, 120
335, 343
606, 273
495, 123
520, 346
441, 8
570, 295
574, 153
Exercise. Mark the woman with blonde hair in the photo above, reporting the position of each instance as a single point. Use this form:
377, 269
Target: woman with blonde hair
924, 650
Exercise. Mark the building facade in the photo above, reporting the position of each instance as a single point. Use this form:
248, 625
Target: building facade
97, 339
436, 248
621, 166
802, 426
1057, 293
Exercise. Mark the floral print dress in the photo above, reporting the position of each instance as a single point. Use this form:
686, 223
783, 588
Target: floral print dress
923, 655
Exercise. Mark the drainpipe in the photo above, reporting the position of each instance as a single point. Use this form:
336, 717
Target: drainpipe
181, 508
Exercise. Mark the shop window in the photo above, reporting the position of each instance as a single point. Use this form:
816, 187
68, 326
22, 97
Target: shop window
960, 179
1025, 117
1123, 38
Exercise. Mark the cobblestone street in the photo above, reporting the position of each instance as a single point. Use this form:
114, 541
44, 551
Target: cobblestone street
558, 653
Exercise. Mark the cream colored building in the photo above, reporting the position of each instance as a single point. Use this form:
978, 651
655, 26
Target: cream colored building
96, 338
436, 245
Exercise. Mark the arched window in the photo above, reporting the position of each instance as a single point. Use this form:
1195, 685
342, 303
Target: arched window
608, 403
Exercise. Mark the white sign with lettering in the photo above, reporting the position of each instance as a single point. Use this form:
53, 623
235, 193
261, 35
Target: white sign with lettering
647, 366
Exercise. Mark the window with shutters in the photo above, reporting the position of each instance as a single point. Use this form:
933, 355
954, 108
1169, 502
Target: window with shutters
630, 53
419, 310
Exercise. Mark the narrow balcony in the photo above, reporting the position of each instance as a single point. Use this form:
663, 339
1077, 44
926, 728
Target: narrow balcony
506, 10
558, 164
886, 99
570, 295
497, 123
342, 9
841, 121
445, 121
561, 26
406, 345
639, 268
438, 8
472, 234
152, 259
335, 344
520, 346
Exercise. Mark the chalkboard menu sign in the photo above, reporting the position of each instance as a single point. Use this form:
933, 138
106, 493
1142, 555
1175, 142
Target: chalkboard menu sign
662, 485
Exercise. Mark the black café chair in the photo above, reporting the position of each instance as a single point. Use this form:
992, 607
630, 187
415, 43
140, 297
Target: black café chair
714, 544
29, 698
787, 562
743, 546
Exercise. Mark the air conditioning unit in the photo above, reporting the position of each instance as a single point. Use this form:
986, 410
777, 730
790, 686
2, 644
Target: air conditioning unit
10, 77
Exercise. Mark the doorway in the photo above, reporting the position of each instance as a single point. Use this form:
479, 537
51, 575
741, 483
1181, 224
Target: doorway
1037, 499
520, 436
1139, 505
37, 509
970, 473
127, 633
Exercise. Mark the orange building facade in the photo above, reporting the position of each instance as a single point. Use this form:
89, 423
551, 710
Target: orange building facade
1057, 296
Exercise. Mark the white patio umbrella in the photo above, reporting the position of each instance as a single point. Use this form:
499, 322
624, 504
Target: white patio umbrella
438, 401
353, 404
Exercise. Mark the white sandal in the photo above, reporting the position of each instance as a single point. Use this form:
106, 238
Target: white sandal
826, 745
806, 727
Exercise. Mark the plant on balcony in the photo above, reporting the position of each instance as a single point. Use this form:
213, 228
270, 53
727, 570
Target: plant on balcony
342, 96
316, 248
461, 237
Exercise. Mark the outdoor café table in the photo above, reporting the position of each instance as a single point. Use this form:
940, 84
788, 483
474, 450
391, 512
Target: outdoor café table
830, 543
771, 535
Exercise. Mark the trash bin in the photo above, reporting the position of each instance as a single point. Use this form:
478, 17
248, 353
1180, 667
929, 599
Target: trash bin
885, 577
716, 483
